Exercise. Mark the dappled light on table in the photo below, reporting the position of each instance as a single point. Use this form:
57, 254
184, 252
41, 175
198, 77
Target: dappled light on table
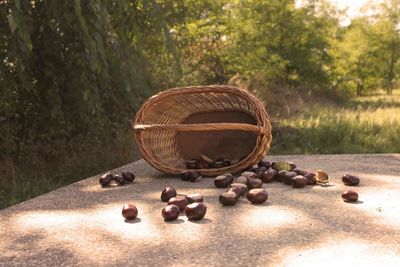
342, 251
261, 218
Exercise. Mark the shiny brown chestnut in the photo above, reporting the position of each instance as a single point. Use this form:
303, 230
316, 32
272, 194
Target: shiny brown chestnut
192, 198
299, 171
106, 179
287, 177
180, 201
223, 181
281, 175
241, 180
168, 193
226, 163
299, 181
257, 196
243, 188
236, 190
191, 164
129, 211
253, 168
350, 180
119, 179
264, 163
218, 164
349, 196
170, 212
202, 164
248, 174
310, 176
196, 211
292, 164
268, 176
128, 176
254, 183
228, 198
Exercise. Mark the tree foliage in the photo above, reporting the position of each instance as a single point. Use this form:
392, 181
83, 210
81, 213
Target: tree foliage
77, 68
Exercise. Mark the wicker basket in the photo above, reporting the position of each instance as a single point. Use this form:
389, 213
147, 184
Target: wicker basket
213, 121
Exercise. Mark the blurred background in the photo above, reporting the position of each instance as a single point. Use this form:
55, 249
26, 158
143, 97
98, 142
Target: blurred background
73, 73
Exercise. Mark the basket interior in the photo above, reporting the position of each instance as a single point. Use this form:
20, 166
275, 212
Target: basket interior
232, 145
172, 149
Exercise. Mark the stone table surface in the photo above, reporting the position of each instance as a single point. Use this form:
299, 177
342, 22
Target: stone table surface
81, 224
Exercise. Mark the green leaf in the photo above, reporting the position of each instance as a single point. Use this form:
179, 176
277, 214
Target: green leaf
11, 22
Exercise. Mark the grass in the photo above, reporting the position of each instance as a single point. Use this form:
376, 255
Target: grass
34, 176
368, 124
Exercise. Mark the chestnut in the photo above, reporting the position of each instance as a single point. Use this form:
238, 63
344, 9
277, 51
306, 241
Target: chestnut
228, 198
167, 194
119, 179
228, 174
191, 164
259, 171
264, 163
194, 198
196, 211
350, 196
253, 168
241, 180
243, 188
291, 164
268, 175
180, 201
128, 176
350, 180
170, 212
202, 164
281, 175
257, 196
185, 175
254, 183
218, 164
235, 189
287, 177
299, 171
310, 176
248, 174
223, 181
193, 176
129, 211
299, 181
106, 179
226, 163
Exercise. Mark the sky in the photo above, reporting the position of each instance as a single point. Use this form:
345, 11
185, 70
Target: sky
353, 6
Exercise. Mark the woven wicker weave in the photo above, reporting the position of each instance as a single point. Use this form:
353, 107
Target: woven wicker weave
161, 127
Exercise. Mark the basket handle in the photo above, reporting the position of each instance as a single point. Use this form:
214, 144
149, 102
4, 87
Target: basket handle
201, 127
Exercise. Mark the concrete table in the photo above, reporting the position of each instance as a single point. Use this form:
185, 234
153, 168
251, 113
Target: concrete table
81, 224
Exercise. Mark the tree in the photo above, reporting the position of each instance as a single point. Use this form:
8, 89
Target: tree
281, 43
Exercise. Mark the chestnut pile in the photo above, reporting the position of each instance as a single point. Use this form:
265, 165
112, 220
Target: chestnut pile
119, 179
285, 172
247, 184
207, 163
192, 205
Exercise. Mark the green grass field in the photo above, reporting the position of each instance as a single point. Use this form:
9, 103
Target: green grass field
368, 124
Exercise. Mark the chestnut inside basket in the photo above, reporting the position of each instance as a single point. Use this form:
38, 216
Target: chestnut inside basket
213, 121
